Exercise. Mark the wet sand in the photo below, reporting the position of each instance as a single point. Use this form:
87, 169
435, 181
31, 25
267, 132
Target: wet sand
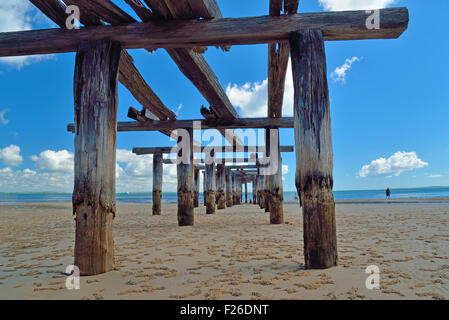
233, 254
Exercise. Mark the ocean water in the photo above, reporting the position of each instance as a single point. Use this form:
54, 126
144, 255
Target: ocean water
420, 193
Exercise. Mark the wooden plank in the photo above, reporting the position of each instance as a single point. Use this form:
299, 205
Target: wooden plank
344, 25
151, 150
95, 91
53, 9
186, 190
221, 186
157, 183
314, 155
207, 9
129, 75
103, 9
238, 123
195, 67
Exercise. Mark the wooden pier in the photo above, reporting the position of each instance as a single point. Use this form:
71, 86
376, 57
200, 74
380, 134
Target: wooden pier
185, 29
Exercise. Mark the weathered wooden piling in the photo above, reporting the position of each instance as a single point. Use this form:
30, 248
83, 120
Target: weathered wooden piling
261, 187
185, 178
209, 191
157, 183
196, 194
314, 155
221, 186
229, 188
95, 93
246, 191
274, 189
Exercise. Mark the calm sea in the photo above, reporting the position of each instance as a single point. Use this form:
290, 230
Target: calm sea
420, 193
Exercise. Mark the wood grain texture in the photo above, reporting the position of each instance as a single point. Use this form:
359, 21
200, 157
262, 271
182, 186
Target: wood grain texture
344, 25
221, 186
186, 185
95, 91
157, 183
314, 155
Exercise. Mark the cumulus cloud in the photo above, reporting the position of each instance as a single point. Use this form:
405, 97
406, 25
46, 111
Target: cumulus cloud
339, 74
393, 166
340, 5
3, 120
251, 98
54, 161
18, 15
11, 156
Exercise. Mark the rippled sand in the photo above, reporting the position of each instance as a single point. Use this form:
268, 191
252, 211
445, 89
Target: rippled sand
234, 254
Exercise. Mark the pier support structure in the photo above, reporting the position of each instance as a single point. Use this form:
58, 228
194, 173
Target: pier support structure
229, 188
221, 186
95, 93
210, 187
314, 155
185, 171
196, 181
157, 183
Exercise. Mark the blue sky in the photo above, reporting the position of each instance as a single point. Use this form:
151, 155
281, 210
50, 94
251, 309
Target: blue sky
389, 102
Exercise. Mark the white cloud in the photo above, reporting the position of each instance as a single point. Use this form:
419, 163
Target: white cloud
434, 176
11, 156
18, 15
339, 74
339, 5
3, 120
393, 166
252, 98
55, 172
54, 161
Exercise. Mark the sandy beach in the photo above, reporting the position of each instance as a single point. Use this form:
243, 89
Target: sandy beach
233, 254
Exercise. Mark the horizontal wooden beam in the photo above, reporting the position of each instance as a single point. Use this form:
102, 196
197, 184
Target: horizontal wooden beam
343, 25
238, 123
217, 161
152, 150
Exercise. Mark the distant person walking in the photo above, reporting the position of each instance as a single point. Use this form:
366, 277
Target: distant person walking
388, 193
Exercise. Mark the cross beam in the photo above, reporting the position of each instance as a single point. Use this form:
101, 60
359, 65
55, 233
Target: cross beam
344, 25
238, 123
142, 151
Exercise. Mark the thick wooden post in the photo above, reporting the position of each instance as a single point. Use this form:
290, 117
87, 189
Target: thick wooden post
95, 93
185, 181
209, 192
275, 190
314, 155
260, 188
255, 189
246, 191
157, 183
229, 188
196, 194
221, 186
